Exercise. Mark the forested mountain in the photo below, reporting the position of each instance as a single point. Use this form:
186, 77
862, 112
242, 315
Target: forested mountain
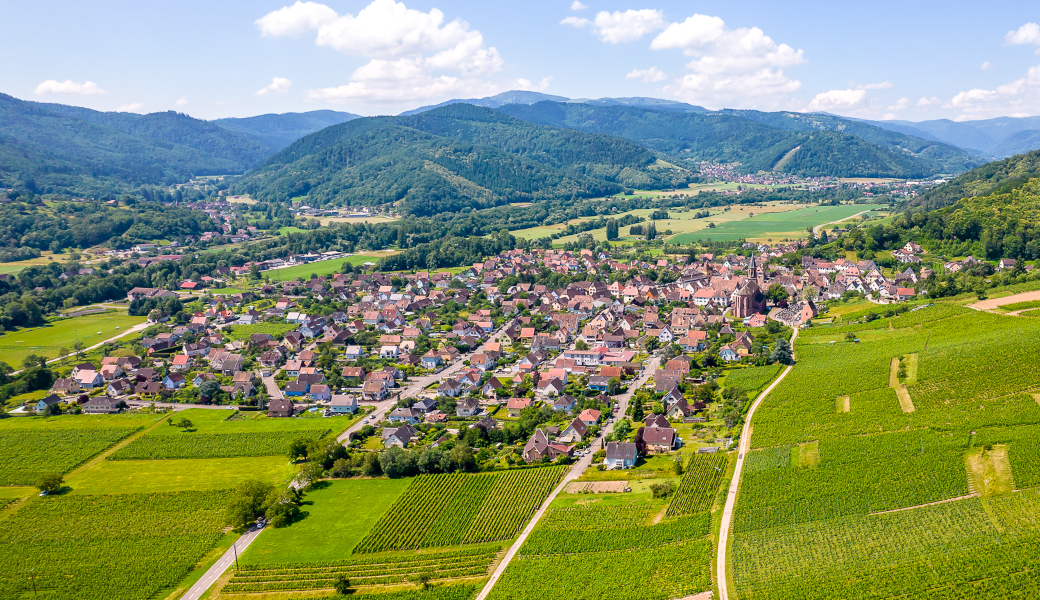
995, 138
454, 158
997, 215
513, 97
997, 177
276, 131
730, 138
47, 151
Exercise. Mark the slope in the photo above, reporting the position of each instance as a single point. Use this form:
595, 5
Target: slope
276, 131
996, 177
512, 97
730, 138
453, 158
998, 138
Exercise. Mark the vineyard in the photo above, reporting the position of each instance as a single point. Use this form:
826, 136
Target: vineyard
368, 570
752, 379
812, 526
31, 451
700, 484
101, 547
222, 434
452, 509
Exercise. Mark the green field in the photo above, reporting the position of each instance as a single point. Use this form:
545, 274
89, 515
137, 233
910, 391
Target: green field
814, 517
148, 476
339, 514
321, 268
63, 333
792, 224
242, 332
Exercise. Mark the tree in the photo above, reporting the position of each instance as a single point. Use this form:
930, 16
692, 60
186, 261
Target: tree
652, 344
282, 507
612, 229
209, 388
297, 449
423, 580
50, 483
651, 231
371, 466
637, 409
342, 584
850, 337
677, 465
247, 503
776, 293
613, 386
782, 352
581, 345
462, 456
185, 423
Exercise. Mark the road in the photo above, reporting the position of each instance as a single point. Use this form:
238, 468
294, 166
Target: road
575, 472
221, 565
734, 486
135, 329
816, 230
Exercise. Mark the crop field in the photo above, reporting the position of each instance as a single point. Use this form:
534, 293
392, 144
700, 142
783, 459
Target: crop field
852, 513
762, 226
700, 484
134, 546
222, 434
611, 546
63, 333
340, 513
147, 476
752, 379
448, 510
367, 570
37, 446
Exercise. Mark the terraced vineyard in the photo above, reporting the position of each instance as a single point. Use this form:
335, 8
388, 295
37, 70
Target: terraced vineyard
700, 484
103, 547
825, 527
369, 570
452, 509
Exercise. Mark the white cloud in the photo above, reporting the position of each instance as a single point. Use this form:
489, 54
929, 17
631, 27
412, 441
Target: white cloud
87, 88
742, 66
925, 101
1026, 35
900, 104
279, 85
888, 117
884, 85
617, 27
132, 108
986, 66
843, 100
1017, 98
527, 86
651, 75
412, 54
577, 5
181, 102
295, 19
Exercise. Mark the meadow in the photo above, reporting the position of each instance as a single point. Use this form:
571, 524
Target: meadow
150, 476
838, 495
764, 226
322, 268
63, 333
242, 332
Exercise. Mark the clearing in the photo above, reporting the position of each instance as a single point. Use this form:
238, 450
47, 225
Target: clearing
49, 339
989, 470
993, 303
843, 404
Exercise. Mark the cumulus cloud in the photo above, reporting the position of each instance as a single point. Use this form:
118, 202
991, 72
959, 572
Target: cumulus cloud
527, 86
618, 27
51, 86
181, 102
838, 100
132, 108
925, 101
651, 75
576, 5
900, 104
884, 85
1016, 99
1026, 35
986, 66
279, 85
412, 54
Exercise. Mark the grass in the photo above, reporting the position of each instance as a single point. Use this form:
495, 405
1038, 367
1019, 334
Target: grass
989, 470
225, 290
63, 333
14, 267
205, 420
173, 475
242, 332
339, 514
325, 267
790, 224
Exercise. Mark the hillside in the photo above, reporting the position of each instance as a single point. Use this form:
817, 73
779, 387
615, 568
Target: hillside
59, 151
730, 138
276, 131
995, 177
454, 158
513, 97
996, 138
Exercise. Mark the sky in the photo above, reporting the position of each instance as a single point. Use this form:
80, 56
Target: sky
882, 59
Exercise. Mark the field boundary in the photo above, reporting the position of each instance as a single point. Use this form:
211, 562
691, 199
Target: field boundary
927, 504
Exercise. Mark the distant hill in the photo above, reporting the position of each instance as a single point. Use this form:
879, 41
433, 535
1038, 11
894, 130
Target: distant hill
759, 146
49, 147
513, 97
998, 177
454, 158
994, 138
276, 131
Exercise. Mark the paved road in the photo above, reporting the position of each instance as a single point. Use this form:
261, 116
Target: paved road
734, 486
221, 565
575, 472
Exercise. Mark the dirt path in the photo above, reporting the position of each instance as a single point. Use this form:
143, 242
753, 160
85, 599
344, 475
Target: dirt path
989, 305
734, 486
895, 510
816, 230
893, 382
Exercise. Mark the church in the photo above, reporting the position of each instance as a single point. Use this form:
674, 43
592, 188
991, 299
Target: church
749, 299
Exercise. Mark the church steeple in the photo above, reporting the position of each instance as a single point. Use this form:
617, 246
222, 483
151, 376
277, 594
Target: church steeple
753, 267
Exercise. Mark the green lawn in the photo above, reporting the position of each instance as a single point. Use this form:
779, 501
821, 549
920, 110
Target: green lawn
63, 333
242, 332
288, 230
205, 420
337, 517
177, 475
774, 226
225, 290
325, 267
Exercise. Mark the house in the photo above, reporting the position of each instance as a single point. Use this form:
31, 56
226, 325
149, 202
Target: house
539, 447
620, 455
425, 405
431, 360
679, 410
295, 389
46, 402
660, 439
515, 405
89, 379
148, 388
174, 381
320, 393
728, 354
404, 415
598, 383
550, 387
574, 432
343, 404
399, 436
589, 416
101, 405
467, 408
282, 407
490, 387
65, 386
450, 388
564, 403
119, 387
181, 362
353, 352
202, 378
354, 373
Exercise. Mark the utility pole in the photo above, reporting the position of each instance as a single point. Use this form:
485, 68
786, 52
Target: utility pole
235, 547
32, 574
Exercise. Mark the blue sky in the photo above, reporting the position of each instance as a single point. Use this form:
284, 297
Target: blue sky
880, 59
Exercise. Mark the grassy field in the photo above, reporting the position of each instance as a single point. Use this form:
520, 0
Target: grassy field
43, 259
242, 332
149, 476
325, 267
775, 226
339, 514
63, 333
374, 219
